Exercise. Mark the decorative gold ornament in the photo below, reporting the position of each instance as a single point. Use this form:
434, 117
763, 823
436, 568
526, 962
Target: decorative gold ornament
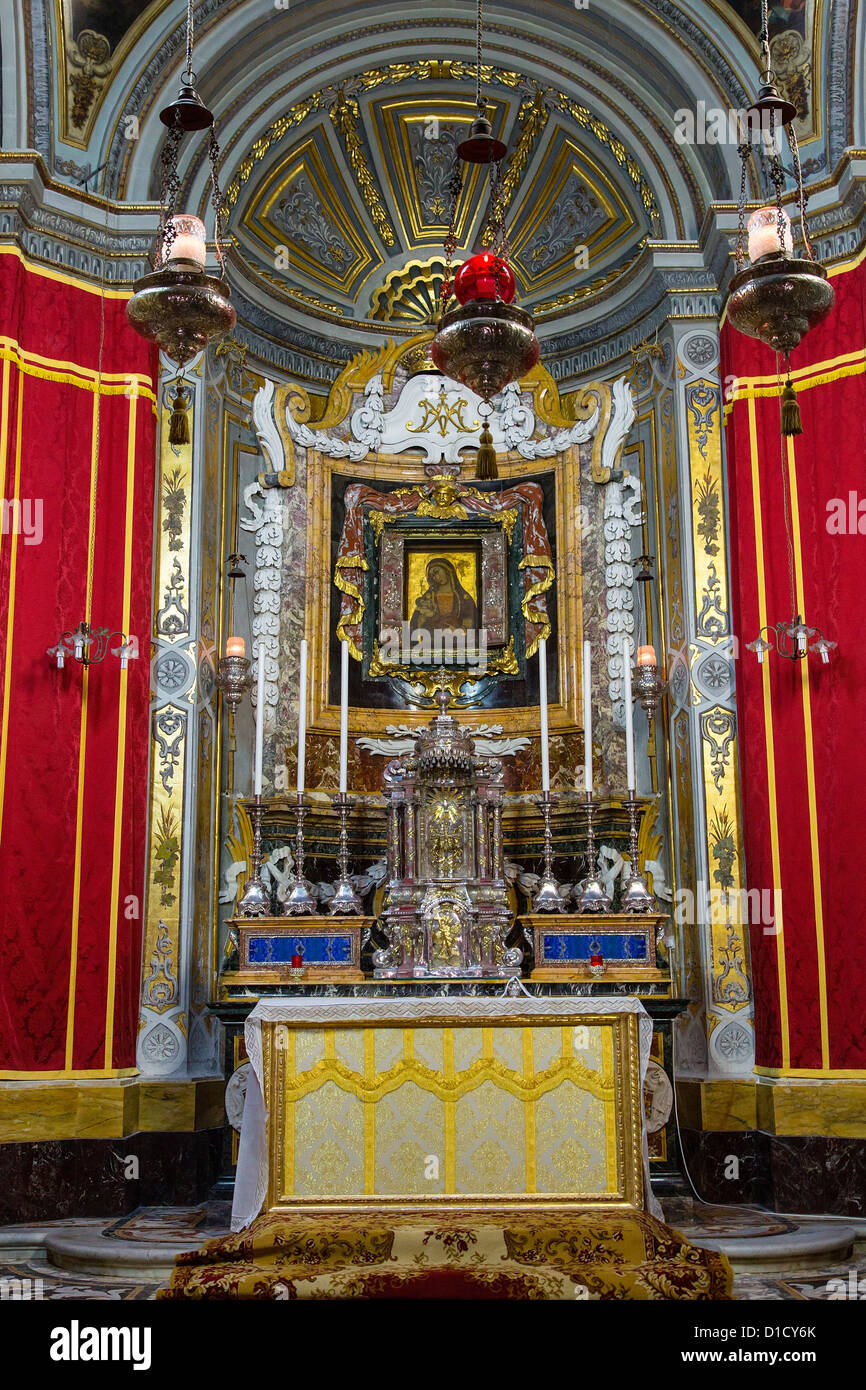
344, 114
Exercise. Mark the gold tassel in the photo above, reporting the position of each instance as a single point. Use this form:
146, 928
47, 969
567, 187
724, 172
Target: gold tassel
485, 463
178, 426
791, 422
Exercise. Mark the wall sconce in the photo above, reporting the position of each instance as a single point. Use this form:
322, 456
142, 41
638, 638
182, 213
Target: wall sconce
791, 639
89, 646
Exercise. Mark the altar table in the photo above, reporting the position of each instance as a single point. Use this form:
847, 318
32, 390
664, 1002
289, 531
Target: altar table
460, 1102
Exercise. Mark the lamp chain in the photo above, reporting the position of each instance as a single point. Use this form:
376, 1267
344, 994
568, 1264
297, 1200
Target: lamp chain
478, 99
217, 199
94, 487
786, 501
764, 37
450, 243
801, 192
189, 75
743, 151
170, 192
497, 199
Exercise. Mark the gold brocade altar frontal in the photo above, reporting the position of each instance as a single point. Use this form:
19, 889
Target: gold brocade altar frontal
454, 1110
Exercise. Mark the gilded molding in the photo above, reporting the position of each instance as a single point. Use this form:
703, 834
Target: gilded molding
162, 1046
729, 985
344, 114
532, 118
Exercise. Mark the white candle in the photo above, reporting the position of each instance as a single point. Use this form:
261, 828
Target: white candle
260, 722
344, 714
587, 716
542, 700
188, 240
629, 713
763, 233
302, 717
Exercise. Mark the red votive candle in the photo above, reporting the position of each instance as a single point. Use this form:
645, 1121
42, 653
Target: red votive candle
297, 962
596, 960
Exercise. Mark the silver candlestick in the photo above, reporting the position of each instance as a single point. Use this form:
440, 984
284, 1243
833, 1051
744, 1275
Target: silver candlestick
256, 901
636, 896
593, 897
345, 898
299, 898
547, 897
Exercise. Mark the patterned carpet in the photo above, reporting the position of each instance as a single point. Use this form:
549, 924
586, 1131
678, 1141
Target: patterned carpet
549, 1255
160, 1223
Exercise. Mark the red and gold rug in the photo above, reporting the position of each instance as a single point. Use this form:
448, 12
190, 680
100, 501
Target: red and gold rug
524, 1255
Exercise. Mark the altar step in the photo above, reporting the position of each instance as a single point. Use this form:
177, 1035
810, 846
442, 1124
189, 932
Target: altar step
757, 1241
89, 1252
91, 1247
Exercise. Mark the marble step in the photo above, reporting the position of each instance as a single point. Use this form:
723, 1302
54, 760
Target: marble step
813, 1245
90, 1252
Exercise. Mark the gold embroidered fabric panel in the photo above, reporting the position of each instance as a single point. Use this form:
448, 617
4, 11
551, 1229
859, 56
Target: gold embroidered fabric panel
414, 1113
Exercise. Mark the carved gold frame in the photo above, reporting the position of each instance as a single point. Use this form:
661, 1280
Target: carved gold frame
323, 717
627, 1102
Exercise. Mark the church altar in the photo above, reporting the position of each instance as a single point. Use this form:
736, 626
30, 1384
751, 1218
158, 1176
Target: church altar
455, 1102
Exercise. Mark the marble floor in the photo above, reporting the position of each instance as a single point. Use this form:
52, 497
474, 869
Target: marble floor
128, 1259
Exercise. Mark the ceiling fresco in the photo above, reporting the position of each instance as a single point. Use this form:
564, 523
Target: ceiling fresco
97, 35
301, 211
794, 29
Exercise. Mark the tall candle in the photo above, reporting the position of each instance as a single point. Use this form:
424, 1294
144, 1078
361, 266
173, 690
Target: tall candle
587, 717
344, 714
542, 700
302, 717
629, 713
260, 722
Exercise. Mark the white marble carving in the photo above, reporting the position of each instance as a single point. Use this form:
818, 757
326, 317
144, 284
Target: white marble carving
265, 427
265, 521
441, 418
621, 421
277, 871
236, 1094
621, 512
229, 890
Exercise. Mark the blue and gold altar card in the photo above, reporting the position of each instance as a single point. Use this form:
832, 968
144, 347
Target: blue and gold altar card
301, 948
583, 946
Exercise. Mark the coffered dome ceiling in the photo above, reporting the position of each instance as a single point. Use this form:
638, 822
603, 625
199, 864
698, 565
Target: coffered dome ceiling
350, 211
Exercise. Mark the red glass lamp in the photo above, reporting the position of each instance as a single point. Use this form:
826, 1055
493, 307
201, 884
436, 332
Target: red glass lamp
485, 276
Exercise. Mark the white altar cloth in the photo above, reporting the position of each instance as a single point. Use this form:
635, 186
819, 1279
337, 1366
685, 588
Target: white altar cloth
251, 1182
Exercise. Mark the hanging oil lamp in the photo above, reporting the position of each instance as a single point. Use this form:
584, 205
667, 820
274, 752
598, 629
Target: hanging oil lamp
486, 340
179, 305
779, 296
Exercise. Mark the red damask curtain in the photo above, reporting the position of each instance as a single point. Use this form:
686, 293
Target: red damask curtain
73, 760
802, 745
